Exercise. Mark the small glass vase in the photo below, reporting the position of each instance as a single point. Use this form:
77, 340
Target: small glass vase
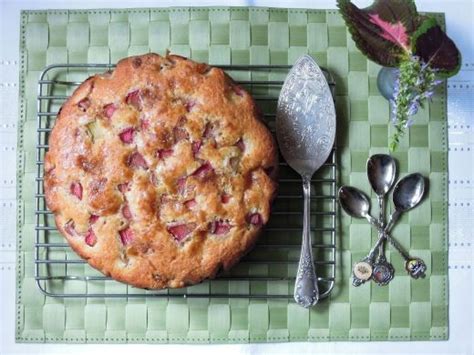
386, 81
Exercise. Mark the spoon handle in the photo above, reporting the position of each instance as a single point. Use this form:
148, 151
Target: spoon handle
393, 218
381, 210
397, 246
306, 284
381, 201
376, 247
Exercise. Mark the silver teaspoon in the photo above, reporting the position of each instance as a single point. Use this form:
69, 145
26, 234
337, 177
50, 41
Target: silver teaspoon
356, 204
305, 130
407, 194
381, 171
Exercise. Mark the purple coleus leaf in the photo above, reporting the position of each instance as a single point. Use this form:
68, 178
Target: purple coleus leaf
435, 48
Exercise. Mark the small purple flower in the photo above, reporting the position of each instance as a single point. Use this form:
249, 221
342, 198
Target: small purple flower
393, 107
413, 108
393, 104
409, 122
396, 85
429, 94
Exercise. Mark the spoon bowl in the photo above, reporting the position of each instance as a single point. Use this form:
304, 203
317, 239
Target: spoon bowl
354, 202
381, 170
408, 192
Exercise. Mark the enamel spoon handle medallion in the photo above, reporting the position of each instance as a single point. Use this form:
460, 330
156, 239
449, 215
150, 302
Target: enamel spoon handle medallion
305, 129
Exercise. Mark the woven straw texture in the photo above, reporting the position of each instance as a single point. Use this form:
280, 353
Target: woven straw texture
405, 310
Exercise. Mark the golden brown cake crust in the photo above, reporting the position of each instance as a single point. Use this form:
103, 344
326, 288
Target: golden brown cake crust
160, 173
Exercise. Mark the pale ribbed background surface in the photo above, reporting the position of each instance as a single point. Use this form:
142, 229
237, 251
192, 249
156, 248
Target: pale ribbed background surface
459, 18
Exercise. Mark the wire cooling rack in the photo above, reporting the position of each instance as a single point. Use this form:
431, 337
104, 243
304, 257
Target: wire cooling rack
268, 271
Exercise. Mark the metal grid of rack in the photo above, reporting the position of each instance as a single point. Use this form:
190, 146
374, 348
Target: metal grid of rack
268, 271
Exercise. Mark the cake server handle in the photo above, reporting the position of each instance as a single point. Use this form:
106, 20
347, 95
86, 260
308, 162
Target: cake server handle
306, 284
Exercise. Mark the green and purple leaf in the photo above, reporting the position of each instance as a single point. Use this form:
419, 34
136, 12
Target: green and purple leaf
394, 11
381, 31
434, 47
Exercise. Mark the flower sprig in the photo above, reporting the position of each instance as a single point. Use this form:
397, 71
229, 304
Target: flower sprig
415, 84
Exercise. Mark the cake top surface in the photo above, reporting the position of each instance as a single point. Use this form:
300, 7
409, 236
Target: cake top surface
160, 173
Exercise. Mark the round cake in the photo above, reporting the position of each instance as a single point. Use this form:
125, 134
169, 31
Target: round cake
160, 173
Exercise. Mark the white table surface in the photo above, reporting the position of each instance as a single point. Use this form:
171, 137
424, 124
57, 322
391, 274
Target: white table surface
460, 26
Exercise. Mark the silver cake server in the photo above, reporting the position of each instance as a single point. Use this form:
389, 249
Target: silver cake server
305, 129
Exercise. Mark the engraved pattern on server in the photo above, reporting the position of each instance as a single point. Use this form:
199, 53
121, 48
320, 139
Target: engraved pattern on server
307, 99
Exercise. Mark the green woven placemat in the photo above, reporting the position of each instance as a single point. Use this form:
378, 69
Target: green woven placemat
405, 310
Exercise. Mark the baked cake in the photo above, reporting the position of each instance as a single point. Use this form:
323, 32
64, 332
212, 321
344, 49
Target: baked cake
160, 173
